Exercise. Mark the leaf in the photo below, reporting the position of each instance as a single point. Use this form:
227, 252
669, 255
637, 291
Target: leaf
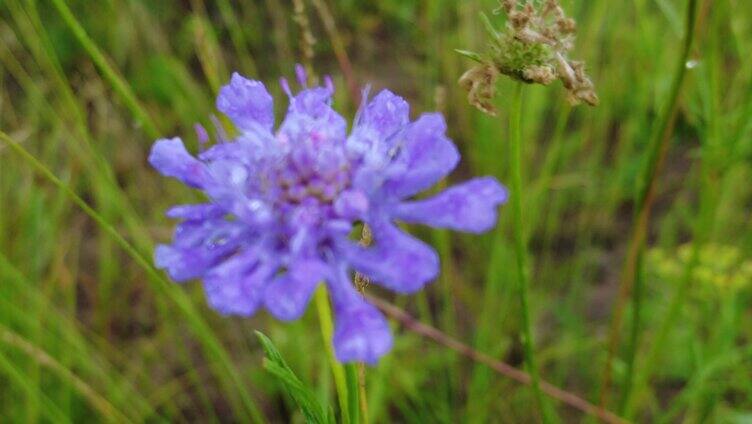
304, 397
470, 55
490, 27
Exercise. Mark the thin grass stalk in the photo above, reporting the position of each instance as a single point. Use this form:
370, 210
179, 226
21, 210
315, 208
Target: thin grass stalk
353, 392
361, 281
280, 36
132, 221
139, 408
340, 52
51, 410
677, 300
307, 40
711, 190
436, 67
728, 362
105, 408
634, 338
362, 395
96, 165
110, 74
208, 52
326, 321
93, 163
520, 245
79, 341
234, 27
211, 345
657, 150
708, 207
105, 188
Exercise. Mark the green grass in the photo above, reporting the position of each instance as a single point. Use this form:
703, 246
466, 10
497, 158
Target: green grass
89, 330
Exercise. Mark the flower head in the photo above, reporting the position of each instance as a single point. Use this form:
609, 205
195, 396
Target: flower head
532, 48
282, 205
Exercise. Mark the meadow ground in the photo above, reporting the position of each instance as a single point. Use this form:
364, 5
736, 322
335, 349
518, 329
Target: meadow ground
88, 331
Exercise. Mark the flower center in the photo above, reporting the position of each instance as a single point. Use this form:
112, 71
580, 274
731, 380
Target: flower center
312, 172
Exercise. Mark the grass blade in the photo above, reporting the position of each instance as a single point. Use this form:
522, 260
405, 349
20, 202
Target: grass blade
304, 397
211, 345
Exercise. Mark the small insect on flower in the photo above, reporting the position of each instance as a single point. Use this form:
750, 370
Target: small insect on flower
532, 48
282, 205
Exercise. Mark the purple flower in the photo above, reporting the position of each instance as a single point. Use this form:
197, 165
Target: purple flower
282, 206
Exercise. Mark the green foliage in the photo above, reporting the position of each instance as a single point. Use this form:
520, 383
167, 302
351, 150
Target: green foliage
77, 92
304, 397
718, 268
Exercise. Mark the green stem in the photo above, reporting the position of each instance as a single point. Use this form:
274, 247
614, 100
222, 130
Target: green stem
353, 395
345, 394
659, 143
710, 191
634, 338
363, 404
520, 244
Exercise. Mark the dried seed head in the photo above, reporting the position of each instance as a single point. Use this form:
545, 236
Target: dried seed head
579, 87
540, 74
533, 47
480, 83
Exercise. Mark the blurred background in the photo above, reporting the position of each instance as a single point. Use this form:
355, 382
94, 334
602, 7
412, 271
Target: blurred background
87, 335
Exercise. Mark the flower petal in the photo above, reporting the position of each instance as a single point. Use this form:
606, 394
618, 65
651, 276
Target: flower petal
375, 132
214, 234
312, 119
396, 260
198, 212
236, 287
361, 332
169, 157
196, 247
386, 114
425, 156
470, 207
288, 295
232, 193
351, 204
182, 264
247, 103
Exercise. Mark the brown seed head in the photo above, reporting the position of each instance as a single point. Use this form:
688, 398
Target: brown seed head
532, 47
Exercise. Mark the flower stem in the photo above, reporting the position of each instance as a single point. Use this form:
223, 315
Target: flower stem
520, 244
363, 404
361, 281
338, 370
353, 406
